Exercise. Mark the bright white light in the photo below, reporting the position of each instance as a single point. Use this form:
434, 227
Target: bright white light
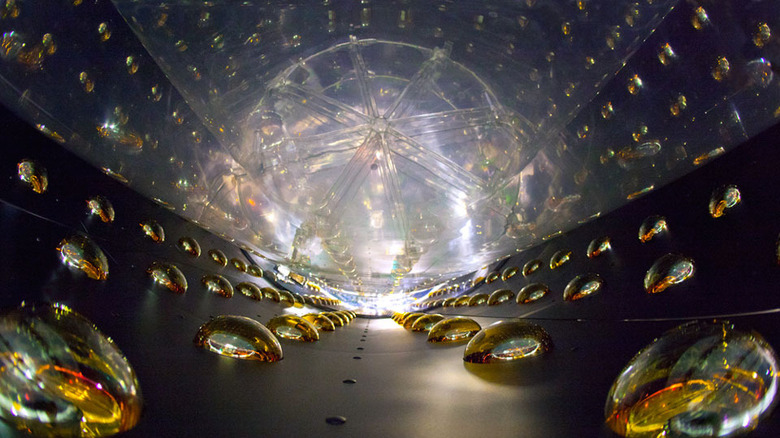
460, 209
390, 302
377, 219
466, 231
395, 248
296, 311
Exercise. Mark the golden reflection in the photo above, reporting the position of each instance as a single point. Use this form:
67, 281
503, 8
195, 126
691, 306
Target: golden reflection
239, 337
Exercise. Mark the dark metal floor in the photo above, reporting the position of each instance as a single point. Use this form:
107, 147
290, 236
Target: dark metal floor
405, 386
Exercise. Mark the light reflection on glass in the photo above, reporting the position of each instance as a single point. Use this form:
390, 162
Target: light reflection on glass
239, 337
60, 376
699, 379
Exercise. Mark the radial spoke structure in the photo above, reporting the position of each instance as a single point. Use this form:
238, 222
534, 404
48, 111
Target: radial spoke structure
403, 157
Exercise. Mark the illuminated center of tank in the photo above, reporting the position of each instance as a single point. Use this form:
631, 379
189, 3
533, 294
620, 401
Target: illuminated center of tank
389, 156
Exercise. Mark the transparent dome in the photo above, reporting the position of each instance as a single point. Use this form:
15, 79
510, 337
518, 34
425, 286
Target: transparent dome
381, 163
384, 149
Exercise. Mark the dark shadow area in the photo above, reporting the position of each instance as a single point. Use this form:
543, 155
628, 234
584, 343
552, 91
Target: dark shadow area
524, 372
